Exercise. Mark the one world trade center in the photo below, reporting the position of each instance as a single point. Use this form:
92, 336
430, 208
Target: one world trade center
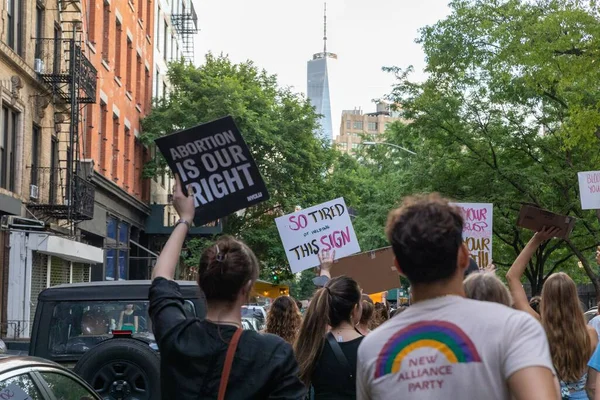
318, 83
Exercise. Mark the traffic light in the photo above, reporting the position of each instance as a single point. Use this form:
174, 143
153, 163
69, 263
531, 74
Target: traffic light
275, 277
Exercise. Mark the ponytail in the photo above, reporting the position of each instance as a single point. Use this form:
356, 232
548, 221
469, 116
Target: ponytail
331, 305
311, 337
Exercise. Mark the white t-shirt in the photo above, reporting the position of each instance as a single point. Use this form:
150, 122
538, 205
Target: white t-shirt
595, 323
449, 348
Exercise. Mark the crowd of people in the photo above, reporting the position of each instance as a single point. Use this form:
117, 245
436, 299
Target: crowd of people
466, 335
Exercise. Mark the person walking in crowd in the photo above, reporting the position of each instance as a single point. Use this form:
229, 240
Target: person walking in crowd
214, 358
594, 362
327, 360
571, 341
445, 346
365, 317
284, 319
380, 315
486, 286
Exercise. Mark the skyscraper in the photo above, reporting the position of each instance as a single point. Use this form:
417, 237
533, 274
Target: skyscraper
318, 83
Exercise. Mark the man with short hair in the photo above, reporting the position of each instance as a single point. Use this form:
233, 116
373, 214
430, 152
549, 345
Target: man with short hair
445, 346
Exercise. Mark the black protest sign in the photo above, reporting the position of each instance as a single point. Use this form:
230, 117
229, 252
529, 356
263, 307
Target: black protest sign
214, 161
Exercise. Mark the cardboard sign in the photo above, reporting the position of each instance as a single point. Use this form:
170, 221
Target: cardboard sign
535, 218
373, 270
477, 231
215, 162
324, 227
589, 190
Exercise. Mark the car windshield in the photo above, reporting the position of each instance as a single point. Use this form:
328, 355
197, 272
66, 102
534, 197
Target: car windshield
78, 326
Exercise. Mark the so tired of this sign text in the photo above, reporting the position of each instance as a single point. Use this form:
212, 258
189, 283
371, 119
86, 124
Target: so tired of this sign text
477, 230
215, 163
324, 227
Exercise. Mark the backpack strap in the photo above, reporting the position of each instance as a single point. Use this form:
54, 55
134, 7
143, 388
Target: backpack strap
339, 354
229, 362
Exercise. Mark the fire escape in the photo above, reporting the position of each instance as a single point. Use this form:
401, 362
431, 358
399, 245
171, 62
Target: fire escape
186, 25
65, 191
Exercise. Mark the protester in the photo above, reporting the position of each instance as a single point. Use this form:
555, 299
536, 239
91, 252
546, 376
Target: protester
594, 363
380, 315
534, 303
486, 286
366, 317
327, 360
193, 351
571, 341
445, 346
284, 319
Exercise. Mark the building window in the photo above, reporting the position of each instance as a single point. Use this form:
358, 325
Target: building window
138, 81
149, 17
158, 30
102, 142
91, 21
164, 90
127, 157
14, 28
140, 10
357, 125
165, 40
129, 66
348, 124
8, 146
343, 145
157, 83
39, 29
54, 171
372, 126
118, 40
115, 148
89, 145
354, 146
56, 64
106, 30
137, 166
35, 154
148, 88
172, 47
116, 245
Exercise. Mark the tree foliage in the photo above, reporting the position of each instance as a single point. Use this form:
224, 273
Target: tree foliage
278, 126
508, 115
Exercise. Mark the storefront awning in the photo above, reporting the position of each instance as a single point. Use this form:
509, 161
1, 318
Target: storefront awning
66, 249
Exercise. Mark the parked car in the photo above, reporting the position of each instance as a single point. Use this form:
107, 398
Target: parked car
257, 315
32, 378
103, 332
591, 313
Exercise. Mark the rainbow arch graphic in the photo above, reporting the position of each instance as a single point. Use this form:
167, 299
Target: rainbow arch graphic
443, 336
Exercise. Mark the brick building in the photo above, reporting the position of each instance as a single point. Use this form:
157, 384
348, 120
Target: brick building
38, 53
355, 125
120, 39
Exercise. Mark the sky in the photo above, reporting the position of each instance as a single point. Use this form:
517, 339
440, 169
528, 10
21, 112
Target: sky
282, 35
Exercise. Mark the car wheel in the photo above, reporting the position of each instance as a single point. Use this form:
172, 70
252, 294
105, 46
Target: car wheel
122, 369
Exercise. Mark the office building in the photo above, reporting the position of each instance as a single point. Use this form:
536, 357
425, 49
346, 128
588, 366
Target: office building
319, 85
356, 126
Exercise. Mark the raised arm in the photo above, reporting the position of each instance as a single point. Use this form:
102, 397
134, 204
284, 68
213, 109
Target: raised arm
516, 271
326, 259
169, 256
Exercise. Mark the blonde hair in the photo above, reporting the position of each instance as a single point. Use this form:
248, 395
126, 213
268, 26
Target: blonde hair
486, 286
570, 343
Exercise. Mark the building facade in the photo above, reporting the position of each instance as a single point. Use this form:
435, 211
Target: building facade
45, 77
355, 127
120, 41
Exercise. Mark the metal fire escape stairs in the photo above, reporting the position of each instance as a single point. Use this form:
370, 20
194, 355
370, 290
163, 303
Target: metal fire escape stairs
186, 25
70, 77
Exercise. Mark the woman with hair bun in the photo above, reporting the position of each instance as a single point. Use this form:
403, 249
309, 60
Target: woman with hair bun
284, 319
214, 358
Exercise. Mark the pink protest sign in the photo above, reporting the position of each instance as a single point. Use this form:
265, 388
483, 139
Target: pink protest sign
477, 231
589, 190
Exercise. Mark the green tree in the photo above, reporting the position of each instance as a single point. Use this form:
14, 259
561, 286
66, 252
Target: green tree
302, 288
278, 126
489, 123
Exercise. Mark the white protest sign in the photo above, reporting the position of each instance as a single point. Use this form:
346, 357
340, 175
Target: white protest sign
477, 231
589, 190
324, 227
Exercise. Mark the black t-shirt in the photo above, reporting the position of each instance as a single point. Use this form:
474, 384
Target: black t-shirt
193, 353
330, 380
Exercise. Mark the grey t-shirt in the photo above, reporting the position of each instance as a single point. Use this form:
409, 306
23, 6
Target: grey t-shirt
449, 348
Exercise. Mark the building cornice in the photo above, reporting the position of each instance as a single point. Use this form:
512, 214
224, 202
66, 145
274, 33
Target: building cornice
22, 68
104, 183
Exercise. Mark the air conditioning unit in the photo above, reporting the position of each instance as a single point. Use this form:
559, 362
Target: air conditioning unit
34, 192
14, 222
38, 66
